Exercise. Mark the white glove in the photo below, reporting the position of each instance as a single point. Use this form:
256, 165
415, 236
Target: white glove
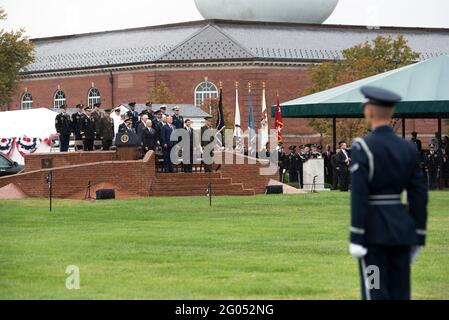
357, 251
414, 254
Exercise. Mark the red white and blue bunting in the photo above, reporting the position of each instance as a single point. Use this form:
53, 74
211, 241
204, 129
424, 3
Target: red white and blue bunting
7, 145
27, 145
24, 145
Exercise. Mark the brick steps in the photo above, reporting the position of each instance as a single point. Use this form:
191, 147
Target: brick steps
195, 184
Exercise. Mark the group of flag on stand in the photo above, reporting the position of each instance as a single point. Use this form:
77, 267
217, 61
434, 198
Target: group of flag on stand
264, 124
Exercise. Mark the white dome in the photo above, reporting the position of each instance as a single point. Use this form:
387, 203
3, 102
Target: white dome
302, 11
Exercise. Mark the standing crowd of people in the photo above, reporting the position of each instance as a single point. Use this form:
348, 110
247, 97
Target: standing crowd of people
336, 164
153, 128
434, 162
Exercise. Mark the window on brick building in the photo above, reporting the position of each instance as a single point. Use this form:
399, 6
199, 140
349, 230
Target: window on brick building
93, 97
27, 101
205, 91
59, 99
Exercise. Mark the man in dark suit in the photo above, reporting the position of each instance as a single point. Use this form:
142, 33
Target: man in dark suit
63, 125
167, 144
334, 164
88, 130
148, 137
189, 161
343, 162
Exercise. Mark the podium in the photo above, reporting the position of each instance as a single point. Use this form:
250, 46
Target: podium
314, 175
128, 146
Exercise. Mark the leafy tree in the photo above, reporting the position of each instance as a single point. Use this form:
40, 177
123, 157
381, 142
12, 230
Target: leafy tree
361, 61
160, 94
16, 53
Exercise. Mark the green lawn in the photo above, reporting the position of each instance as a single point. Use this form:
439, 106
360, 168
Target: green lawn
264, 247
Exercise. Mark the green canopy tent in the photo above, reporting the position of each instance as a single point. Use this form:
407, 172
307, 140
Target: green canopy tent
424, 87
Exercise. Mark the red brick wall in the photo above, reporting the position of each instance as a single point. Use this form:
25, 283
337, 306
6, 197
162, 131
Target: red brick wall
33, 162
135, 85
127, 177
248, 174
131, 176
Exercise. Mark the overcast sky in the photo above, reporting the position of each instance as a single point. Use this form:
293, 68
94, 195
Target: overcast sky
43, 18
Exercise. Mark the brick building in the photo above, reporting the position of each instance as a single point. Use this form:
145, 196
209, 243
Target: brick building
116, 67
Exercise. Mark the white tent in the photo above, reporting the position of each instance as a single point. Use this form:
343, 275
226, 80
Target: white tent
34, 123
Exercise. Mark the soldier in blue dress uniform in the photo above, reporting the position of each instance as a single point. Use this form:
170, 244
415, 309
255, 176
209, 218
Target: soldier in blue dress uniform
386, 234
133, 115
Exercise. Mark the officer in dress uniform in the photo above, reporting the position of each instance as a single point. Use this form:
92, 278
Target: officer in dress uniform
133, 115
445, 163
314, 153
77, 120
88, 130
293, 159
327, 156
106, 130
126, 126
282, 162
432, 166
149, 111
63, 125
386, 235
97, 115
178, 120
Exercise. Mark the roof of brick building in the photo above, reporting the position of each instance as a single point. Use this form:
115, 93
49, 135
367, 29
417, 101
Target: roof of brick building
218, 40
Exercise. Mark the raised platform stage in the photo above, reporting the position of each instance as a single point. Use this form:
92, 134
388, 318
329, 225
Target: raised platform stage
74, 171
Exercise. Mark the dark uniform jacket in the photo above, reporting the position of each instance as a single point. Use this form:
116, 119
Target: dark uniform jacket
97, 115
383, 167
63, 124
150, 114
77, 122
106, 128
327, 156
431, 161
124, 128
134, 116
89, 127
293, 162
445, 163
282, 160
178, 122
